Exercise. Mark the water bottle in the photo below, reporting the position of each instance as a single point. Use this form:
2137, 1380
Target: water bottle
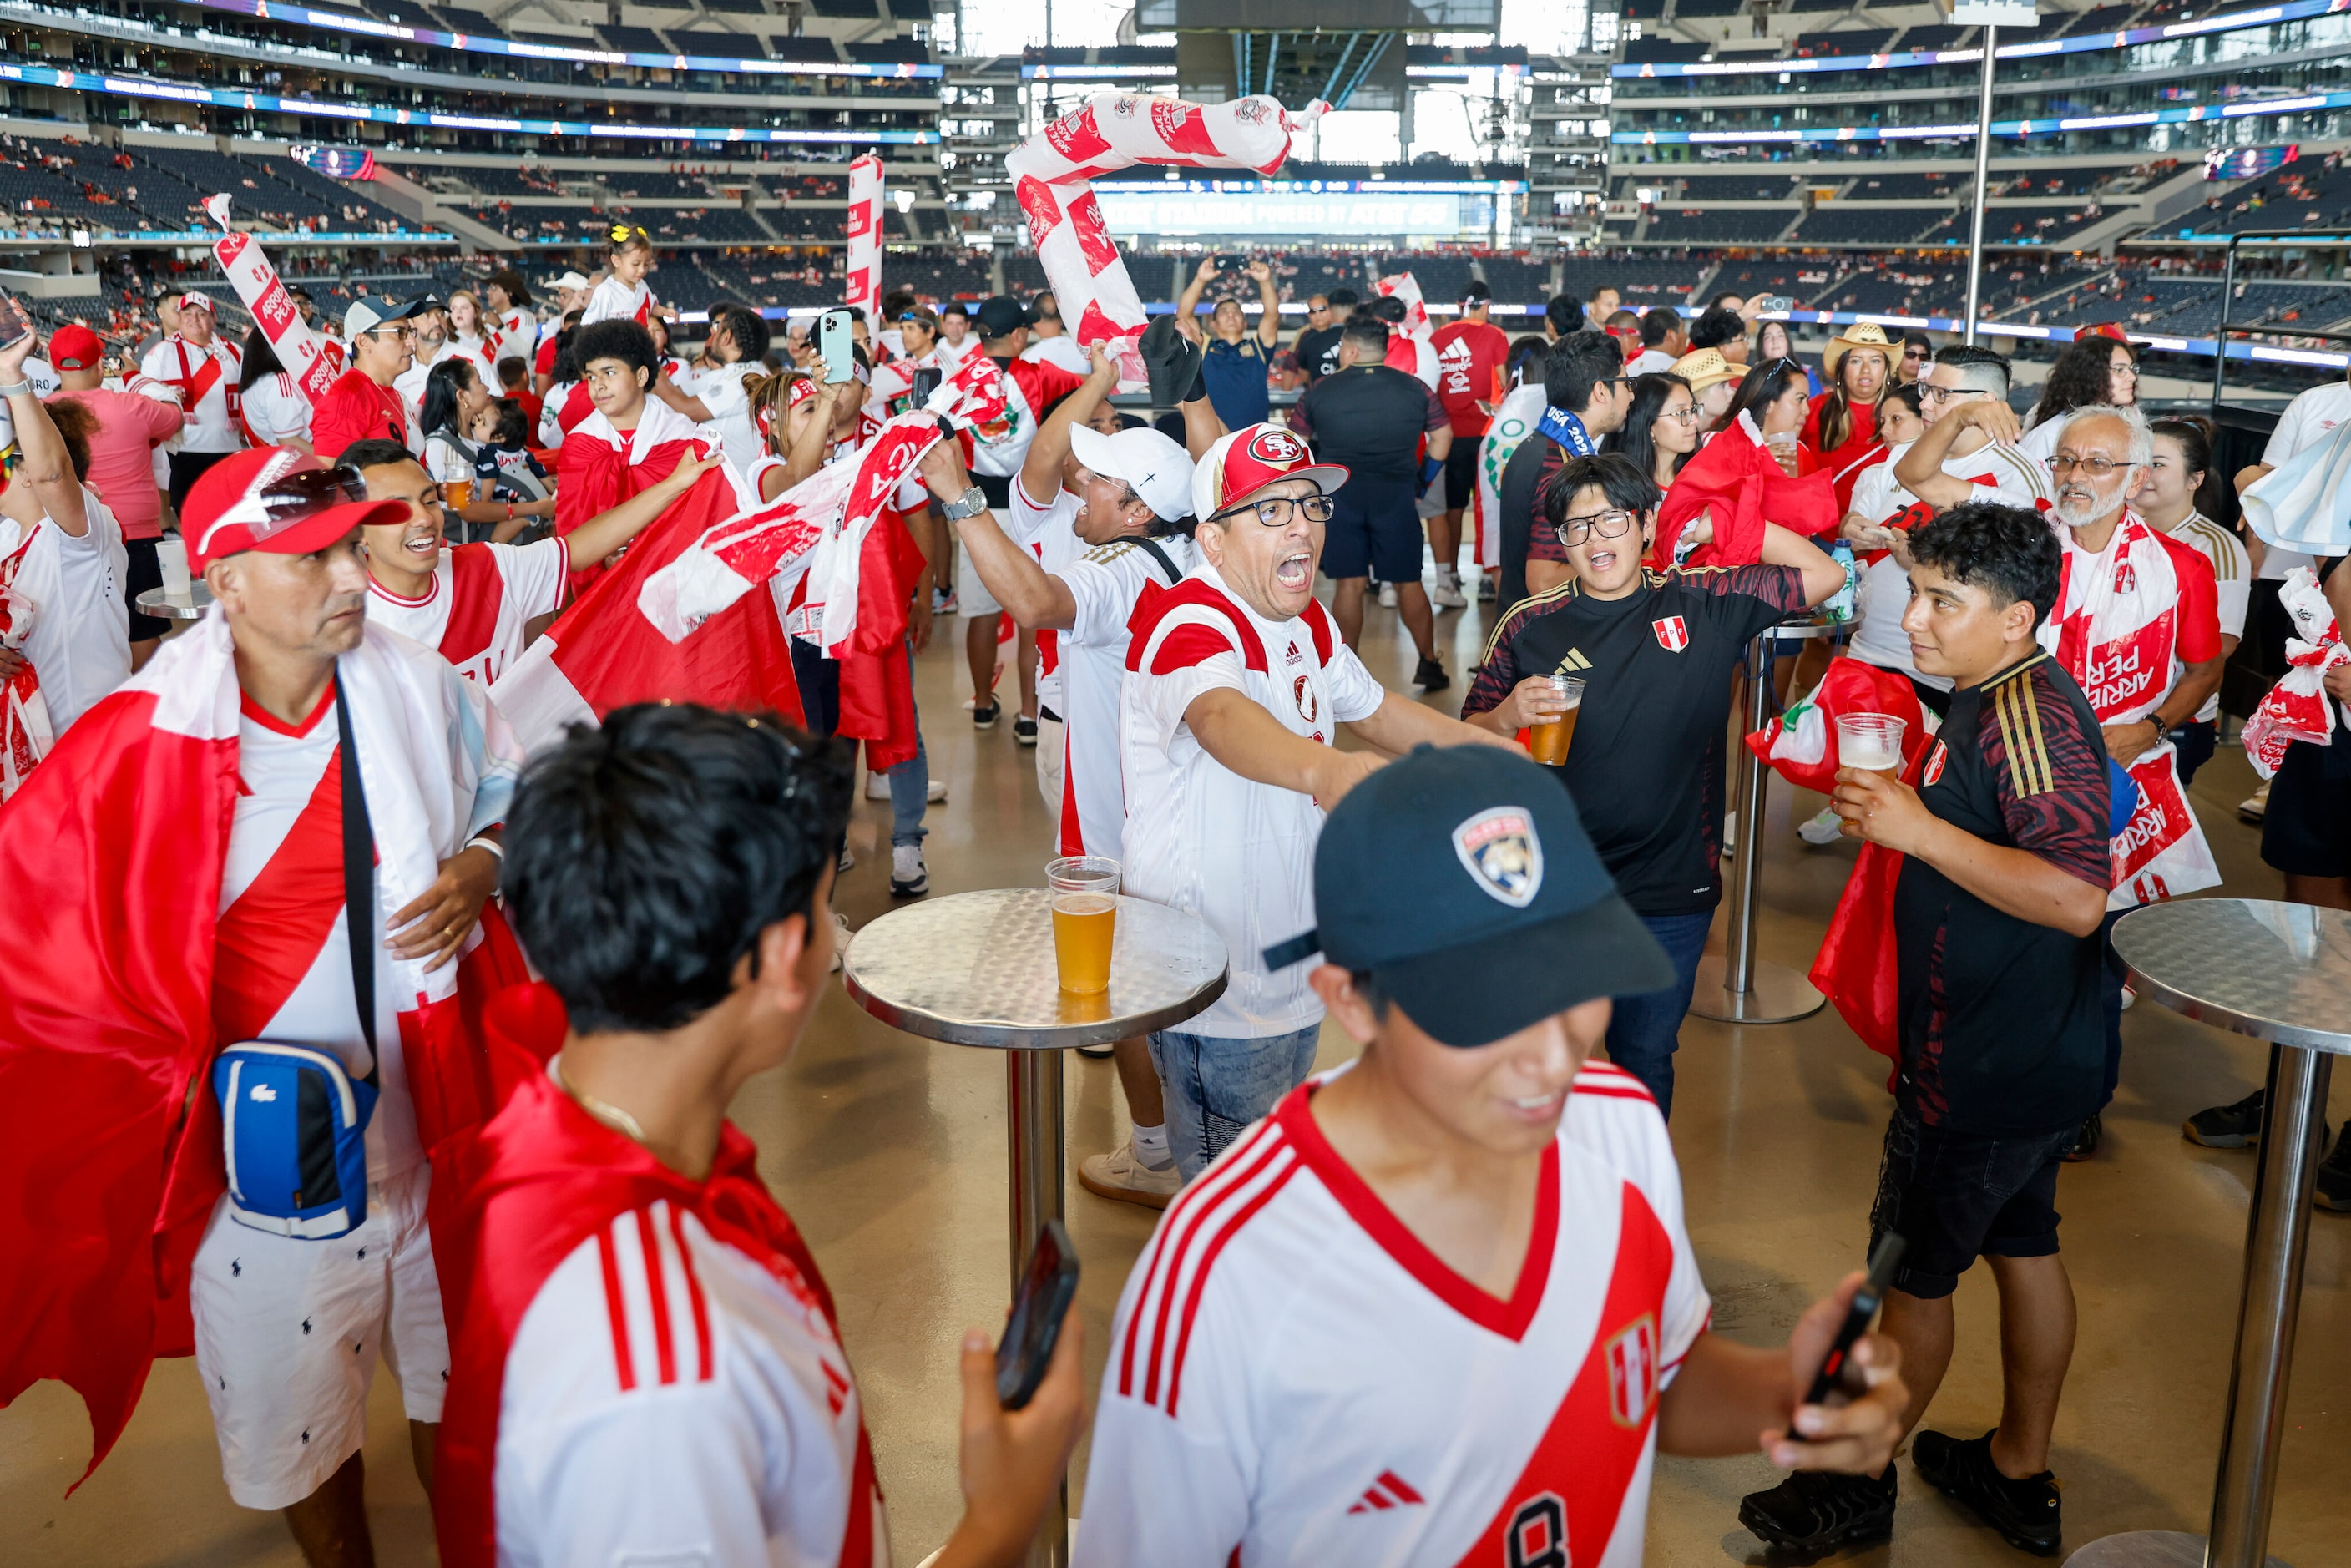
1839, 609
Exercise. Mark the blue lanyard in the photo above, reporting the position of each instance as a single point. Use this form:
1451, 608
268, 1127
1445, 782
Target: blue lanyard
1568, 431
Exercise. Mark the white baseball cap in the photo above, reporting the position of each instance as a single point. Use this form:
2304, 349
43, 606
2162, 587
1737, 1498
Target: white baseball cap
1148, 461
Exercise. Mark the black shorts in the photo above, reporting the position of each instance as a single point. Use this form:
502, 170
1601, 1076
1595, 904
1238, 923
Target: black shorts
2195, 742
1374, 531
187, 467
1956, 1196
145, 572
1461, 471
2306, 832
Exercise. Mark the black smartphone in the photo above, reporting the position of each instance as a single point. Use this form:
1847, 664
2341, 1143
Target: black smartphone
1856, 1319
1232, 264
926, 382
1047, 1288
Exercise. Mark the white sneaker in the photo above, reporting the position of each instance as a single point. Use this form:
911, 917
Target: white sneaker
1387, 596
908, 876
1446, 595
877, 787
840, 936
1122, 1179
2129, 997
846, 863
2253, 807
1823, 828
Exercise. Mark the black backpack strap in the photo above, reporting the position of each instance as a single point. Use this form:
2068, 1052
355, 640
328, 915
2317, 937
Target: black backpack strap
358, 879
1159, 554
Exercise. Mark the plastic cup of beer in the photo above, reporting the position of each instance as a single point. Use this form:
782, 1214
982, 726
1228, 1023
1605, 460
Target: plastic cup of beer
1085, 918
457, 494
1548, 742
171, 556
1870, 740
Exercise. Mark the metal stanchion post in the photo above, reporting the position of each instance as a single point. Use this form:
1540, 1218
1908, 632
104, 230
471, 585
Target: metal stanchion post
1032, 1103
1739, 988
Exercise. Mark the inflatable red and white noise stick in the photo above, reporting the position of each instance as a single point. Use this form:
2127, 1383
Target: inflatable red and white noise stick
864, 261
1052, 178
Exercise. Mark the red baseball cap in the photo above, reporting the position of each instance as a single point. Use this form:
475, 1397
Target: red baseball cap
1249, 459
2103, 330
276, 499
76, 347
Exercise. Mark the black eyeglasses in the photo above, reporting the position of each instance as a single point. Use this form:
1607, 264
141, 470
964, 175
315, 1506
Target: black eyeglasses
1276, 511
1608, 524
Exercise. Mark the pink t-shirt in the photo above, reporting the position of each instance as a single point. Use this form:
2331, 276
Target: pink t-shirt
121, 469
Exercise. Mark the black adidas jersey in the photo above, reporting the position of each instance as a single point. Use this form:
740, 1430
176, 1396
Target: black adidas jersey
1646, 768
2003, 1027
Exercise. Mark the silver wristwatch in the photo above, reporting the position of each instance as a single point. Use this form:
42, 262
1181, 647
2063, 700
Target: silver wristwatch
970, 504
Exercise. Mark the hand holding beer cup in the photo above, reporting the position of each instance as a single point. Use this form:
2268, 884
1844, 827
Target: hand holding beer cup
1545, 706
1870, 796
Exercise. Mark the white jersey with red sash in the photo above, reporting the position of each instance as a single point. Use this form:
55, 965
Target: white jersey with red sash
110, 1157
205, 379
482, 598
645, 1369
616, 301
26, 732
2126, 617
1294, 1377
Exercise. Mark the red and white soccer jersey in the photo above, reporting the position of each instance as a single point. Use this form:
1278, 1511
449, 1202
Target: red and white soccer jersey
282, 965
1105, 582
615, 300
1199, 837
669, 1400
1293, 1377
1050, 533
482, 597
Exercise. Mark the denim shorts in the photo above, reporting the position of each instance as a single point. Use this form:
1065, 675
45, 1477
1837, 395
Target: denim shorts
1956, 1196
1215, 1087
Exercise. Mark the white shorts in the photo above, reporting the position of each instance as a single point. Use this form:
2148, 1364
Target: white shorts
288, 1333
1050, 755
972, 597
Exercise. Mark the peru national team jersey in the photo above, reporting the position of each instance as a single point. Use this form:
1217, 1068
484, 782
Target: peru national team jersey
616, 301
482, 597
1104, 583
669, 1401
1294, 1378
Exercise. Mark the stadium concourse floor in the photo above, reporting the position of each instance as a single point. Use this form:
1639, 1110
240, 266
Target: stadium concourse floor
890, 1154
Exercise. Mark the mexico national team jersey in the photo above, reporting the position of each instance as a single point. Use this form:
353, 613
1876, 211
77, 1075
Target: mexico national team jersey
282, 968
1105, 582
1293, 1378
669, 1401
1199, 837
482, 596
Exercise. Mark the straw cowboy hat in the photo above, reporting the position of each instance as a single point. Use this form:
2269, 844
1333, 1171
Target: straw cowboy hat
1860, 335
1702, 368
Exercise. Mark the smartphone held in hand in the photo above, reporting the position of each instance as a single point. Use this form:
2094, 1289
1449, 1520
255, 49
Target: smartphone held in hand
836, 346
1047, 1288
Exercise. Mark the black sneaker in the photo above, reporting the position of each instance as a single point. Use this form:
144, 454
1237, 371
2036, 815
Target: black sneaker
1431, 676
2227, 1126
2024, 1513
983, 718
1024, 729
2086, 1140
2332, 1189
1814, 1512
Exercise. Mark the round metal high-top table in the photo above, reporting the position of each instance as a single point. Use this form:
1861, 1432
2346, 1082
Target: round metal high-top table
978, 968
2279, 972
165, 605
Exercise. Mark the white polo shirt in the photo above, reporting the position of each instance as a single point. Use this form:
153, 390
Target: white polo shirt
1199, 837
1106, 581
1294, 1377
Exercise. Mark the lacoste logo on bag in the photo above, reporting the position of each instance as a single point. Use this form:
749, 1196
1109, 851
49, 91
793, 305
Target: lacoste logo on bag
263, 1092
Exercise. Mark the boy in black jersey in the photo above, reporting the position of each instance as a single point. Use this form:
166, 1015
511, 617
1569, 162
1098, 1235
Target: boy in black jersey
1655, 652
1997, 912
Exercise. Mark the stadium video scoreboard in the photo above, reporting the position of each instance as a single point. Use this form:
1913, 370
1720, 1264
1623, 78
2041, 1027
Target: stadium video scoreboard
1304, 208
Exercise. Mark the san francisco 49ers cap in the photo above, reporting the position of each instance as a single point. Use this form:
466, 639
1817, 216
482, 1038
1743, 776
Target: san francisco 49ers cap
1249, 459
1461, 878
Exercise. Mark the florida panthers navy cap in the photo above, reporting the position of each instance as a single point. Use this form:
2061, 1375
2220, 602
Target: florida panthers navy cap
1462, 880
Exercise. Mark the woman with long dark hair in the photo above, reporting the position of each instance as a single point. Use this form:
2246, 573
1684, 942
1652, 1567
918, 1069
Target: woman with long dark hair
454, 396
273, 409
1842, 426
2098, 369
1660, 430
1776, 393
2180, 493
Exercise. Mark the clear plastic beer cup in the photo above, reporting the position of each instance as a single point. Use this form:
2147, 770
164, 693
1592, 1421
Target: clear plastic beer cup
1085, 918
1871, 741
457, 494
1548, 742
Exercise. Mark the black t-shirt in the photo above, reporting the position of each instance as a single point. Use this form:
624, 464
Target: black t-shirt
1646, 766
1371, 418
2003, 1027
1317, 349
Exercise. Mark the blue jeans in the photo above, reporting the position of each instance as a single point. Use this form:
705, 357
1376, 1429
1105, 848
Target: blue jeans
910, 790
1215, 1087
1644, 1030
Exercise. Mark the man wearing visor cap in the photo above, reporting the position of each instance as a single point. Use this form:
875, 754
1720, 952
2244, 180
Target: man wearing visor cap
191, 837
1440, 1305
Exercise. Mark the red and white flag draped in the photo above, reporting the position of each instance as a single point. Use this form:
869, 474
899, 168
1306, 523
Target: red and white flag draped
2296, 708
1052, 174
110, 1157
865, 282
1735, 477
678, 618
312, 359
26, 735
1404, 286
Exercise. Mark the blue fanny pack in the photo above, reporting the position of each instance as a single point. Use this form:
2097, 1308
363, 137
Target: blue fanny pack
293, 1121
